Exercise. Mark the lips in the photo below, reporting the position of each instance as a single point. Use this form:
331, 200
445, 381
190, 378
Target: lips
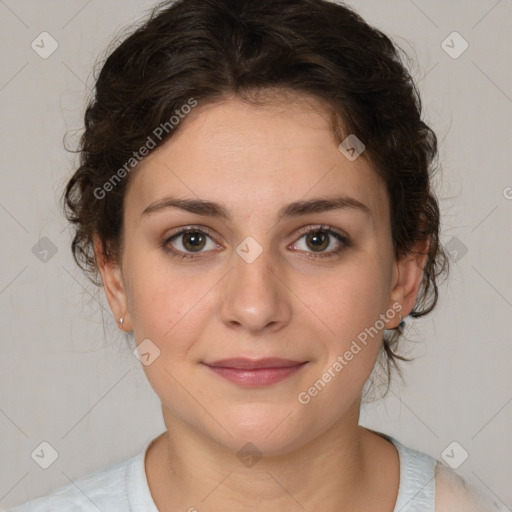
254, 364
255, 372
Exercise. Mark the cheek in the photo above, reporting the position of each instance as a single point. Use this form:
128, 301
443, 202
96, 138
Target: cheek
350, 347
152, 300
347, 301
168, 305
161, 308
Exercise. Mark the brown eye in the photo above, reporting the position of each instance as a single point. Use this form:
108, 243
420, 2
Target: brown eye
320, 238
187, 242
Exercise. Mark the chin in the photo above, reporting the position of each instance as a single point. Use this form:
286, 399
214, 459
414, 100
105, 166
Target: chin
267, 430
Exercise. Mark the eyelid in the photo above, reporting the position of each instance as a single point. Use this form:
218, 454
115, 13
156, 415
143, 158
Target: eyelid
191, 228
323, 227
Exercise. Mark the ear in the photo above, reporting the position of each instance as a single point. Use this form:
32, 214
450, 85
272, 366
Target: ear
408, 275
113, 284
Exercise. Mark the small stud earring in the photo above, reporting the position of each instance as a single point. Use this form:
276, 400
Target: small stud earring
121, 320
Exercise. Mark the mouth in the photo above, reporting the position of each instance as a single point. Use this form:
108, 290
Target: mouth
255, 372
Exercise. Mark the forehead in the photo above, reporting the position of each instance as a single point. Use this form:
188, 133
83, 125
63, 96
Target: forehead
245, 155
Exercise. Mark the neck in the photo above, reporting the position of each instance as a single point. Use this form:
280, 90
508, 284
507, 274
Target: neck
188, 471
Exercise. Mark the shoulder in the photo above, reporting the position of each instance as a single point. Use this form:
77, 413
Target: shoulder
427, 484
103, 489
454, 494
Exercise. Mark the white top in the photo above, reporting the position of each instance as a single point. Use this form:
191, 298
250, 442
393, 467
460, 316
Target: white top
426, 485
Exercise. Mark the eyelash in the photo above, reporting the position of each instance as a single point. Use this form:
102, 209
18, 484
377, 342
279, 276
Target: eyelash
302, 232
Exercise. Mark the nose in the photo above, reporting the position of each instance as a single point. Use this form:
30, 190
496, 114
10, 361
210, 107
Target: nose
256, 296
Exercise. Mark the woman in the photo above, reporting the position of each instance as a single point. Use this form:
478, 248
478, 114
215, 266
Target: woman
254, 192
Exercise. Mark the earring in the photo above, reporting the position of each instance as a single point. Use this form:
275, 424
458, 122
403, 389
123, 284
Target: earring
121, 320
402, 322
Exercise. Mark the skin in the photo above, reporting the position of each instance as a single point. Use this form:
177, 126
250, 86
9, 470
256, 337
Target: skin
255, 160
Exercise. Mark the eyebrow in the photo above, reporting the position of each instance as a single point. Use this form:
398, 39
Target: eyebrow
297, 208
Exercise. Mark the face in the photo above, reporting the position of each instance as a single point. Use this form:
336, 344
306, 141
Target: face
264, 281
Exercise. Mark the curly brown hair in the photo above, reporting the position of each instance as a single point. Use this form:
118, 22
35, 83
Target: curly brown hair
208, 49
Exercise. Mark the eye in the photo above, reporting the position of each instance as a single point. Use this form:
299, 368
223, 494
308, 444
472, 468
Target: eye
188, 241
319, 238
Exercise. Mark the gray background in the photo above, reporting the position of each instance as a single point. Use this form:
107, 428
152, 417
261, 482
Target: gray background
67, 375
